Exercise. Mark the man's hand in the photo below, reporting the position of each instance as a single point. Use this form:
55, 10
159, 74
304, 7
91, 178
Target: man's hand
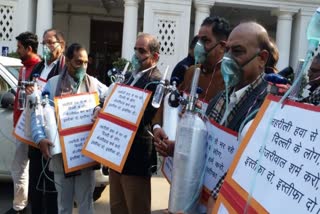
164, 146
29, 89
210, 205
44, 146
95, 113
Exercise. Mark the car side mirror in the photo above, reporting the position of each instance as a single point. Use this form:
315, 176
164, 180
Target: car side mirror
7, 100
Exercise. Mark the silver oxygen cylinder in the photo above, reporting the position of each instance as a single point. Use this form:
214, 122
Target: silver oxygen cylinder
50, 125
22, 96
170, 116
189, 157
33, 103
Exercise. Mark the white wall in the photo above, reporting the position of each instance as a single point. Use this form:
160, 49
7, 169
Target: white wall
75, 28
173, 11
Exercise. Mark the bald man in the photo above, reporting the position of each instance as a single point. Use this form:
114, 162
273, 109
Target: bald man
249, 46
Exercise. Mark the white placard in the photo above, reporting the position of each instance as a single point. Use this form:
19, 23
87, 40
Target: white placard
75, 111
167, 168
222, 146
19, 130
73, 145
222, 209
109, 141
287, 179
126, 103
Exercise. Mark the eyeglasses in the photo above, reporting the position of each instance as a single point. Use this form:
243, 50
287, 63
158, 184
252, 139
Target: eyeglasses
140, 50
49, 42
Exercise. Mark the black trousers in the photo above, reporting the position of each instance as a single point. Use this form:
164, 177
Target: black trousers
42, 191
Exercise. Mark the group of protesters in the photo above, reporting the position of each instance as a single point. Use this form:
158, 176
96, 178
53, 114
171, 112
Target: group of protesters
64, 72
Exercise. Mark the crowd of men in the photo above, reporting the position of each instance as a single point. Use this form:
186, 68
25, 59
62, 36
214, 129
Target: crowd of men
63, 72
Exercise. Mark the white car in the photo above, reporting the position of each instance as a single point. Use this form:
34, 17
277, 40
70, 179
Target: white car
9, 71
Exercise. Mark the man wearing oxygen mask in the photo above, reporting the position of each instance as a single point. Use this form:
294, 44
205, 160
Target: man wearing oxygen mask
242, 68
78, 186
52, 64
208, 52
130, 191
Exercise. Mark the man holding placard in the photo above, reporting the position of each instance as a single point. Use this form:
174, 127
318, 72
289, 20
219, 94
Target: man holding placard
69, 84
248, 52
130, 190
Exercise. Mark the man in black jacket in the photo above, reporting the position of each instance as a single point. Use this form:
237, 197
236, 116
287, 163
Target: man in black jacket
130, 191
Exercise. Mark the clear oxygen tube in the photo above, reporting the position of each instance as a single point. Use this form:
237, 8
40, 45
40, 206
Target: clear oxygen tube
22, 96
158, 94
50, 124
189, 157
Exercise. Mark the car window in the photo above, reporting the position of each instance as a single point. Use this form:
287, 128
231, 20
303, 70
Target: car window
4, 86
14, 70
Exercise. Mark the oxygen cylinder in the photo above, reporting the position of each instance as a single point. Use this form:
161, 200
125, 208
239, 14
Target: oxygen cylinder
33, 103
50, 125
170, 114
189, 157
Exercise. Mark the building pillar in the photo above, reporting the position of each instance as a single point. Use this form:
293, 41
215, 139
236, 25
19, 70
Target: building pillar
130, 24
283, 37
202, 12
299, 44
44, 19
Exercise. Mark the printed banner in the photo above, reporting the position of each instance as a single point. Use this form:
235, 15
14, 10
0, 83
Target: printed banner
278, 161
222, 146
111, 138
74, 113
19, 131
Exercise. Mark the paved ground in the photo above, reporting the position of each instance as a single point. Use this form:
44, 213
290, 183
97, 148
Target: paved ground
160, 195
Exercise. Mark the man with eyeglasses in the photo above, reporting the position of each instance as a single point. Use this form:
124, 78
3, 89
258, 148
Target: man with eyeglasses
73, 80
52, 64
130, 191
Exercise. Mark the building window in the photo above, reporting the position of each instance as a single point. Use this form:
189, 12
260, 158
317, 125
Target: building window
166, 36
6, 23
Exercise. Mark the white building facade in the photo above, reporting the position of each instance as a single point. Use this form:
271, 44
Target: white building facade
108, 28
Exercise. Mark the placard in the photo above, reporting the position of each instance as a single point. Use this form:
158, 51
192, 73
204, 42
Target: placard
166, 168
126, 103
222, 146
19, 131
75, 110
74, 116
72, 145
278, 161
110, 140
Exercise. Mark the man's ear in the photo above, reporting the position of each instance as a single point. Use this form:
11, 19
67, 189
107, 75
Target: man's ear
29, 49
156, 56
264, 56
